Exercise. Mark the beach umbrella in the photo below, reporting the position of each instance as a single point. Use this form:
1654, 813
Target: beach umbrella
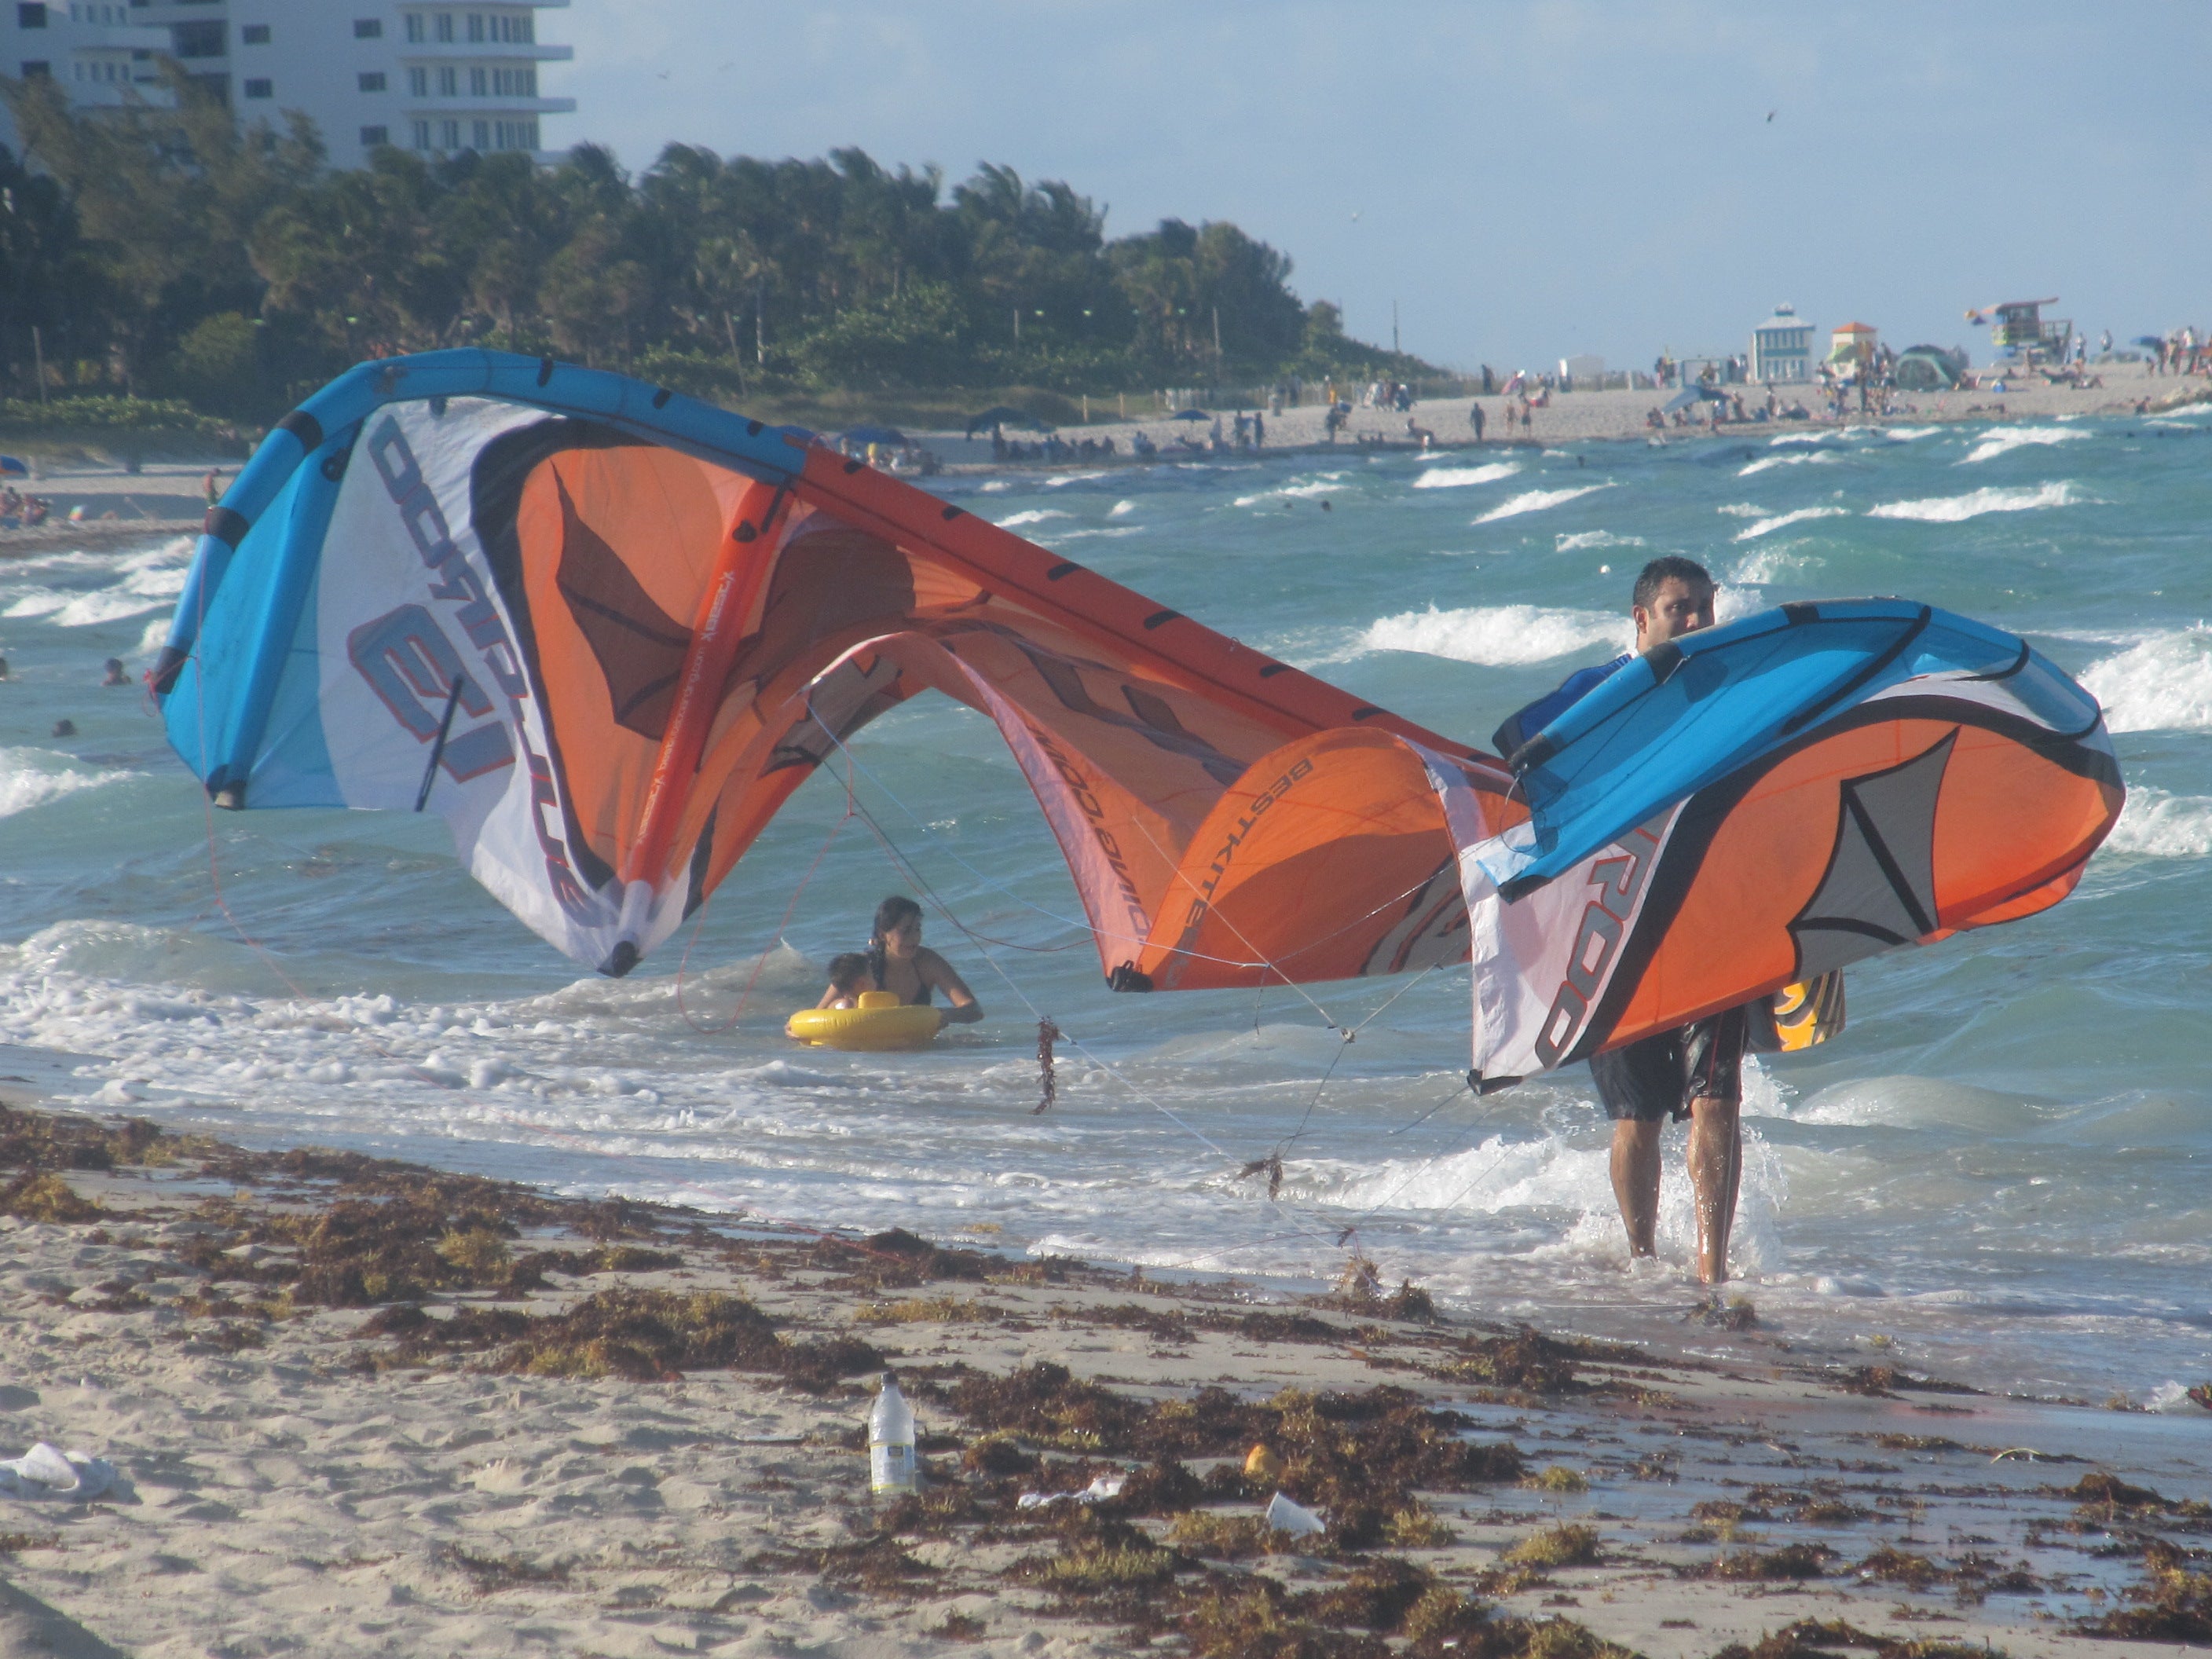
2150, 340
1695, 394
872, 435
1006, 415
12, 468
1190, 414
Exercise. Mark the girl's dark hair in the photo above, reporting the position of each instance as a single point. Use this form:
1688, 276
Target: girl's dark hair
891, 912
848, 970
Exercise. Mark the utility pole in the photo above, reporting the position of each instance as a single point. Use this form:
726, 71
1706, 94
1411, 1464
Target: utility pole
760, 323
38, 355
1394, 328
1017, 327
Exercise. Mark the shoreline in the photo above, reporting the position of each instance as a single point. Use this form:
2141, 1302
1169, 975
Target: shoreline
364, 1404
1615, 417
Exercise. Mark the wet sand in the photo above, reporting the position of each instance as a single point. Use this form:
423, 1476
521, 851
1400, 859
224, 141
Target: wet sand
374, 1408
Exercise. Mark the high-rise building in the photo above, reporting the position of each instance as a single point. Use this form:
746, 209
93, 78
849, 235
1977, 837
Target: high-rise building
437, 78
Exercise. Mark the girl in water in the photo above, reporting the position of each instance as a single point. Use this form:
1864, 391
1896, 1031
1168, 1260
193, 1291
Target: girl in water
899, 963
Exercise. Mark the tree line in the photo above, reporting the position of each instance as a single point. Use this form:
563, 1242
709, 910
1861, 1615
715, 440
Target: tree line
164, 251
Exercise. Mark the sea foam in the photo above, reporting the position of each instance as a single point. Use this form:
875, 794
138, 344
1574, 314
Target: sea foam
1954, 509
2006, 438
1455, 477
1767, 526
1495, 636
2161, 826
1035, 515
1787, 457
2163, 683
1536, 500
32, 777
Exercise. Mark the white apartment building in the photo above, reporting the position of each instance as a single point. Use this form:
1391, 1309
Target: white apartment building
425, 75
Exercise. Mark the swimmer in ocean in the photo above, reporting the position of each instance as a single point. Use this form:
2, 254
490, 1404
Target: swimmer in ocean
899, 963
848, 977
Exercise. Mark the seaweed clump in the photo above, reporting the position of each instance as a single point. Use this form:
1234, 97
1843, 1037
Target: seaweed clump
643, 1335
36, 1196
1817, 1638
1525, 1360
2172, 1603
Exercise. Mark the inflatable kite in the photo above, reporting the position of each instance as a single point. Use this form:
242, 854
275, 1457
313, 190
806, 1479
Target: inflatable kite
605, 631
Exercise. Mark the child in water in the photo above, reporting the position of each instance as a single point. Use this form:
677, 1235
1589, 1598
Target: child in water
848, 977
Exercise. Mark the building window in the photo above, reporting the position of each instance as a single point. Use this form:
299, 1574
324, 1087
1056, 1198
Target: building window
515, 83
449, 83
422, 135
253, 35
368, 28
415, 27
371, 80
31, 16
445, 27
418, 83
479, 83
514, 135
482, 136
476, 28
197, 39
36, 68
260, 88
449, 135
373, 137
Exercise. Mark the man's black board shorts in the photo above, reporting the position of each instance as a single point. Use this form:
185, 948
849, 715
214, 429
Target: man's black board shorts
1658, 1076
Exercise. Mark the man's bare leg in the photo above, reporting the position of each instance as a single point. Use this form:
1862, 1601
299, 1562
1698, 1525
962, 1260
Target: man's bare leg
1716, 1172
1636, 1182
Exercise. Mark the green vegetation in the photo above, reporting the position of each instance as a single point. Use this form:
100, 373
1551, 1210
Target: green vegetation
165, 253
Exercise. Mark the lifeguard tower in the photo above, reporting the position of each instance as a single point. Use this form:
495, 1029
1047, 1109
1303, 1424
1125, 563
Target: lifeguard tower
1782, 347
2018, 328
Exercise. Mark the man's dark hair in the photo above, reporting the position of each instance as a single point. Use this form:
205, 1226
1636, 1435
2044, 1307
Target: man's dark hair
1670, 567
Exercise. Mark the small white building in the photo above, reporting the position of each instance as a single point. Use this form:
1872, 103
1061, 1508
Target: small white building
1585, 372
437, 78
1782, 347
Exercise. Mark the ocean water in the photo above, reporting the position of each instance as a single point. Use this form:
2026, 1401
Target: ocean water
2001, 1172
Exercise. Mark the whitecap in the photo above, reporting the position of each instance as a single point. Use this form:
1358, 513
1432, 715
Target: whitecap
1574, 542
1121, 508
1536, 500
1035, 515
32, 777
1326, 484
1767, 526
1456, 477
1951, 509
1497, 636
2163, 684
1741, 510
2006, 439
1772, 564
1907, 434
2158, 825
1788, 458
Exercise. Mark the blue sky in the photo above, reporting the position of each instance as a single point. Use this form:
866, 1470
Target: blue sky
1525, 181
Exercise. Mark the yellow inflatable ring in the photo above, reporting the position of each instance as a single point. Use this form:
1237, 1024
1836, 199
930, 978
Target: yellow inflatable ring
881, 1021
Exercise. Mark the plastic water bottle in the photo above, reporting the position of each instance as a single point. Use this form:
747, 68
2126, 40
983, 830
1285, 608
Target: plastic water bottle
891, 1466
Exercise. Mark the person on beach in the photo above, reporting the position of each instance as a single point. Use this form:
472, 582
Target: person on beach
113, 673
899, 962
1694, 1072
1475, 417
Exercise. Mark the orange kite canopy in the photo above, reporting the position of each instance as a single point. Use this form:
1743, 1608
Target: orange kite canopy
605, 632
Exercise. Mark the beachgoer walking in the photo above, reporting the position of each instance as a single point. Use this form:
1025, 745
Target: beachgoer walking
211, 487
1474, 414
1259, 430
1694, 1072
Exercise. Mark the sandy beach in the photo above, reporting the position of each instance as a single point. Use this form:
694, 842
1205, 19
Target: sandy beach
362, 1406
1581, 416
